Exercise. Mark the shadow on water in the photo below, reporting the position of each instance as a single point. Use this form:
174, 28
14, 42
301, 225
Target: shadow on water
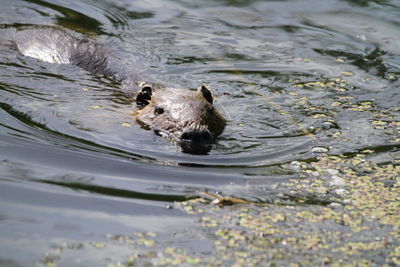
78, 21
71, 18
366, 3
120, 192
372, 62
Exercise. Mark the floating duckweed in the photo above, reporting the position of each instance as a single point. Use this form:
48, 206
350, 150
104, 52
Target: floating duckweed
318, 116
208, 222
126, 124
347, 73
49, 260
98, 245
145, 242
176, 257
95, 107
123, 239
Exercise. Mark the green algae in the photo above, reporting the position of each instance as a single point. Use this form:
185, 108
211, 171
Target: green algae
363, 232
366, 225
98, 245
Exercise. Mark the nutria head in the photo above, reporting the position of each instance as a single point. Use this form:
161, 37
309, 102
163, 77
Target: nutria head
185, 117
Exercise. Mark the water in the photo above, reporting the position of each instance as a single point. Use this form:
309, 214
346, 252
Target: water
73, 164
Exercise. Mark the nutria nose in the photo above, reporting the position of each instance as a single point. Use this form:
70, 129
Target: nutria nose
196, 136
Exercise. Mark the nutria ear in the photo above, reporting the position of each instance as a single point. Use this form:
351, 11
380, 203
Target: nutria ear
144, 96
206, 93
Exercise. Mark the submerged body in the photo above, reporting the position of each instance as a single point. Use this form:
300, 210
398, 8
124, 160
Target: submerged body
185, 117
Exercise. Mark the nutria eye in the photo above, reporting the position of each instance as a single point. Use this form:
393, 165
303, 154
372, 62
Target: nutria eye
158, 111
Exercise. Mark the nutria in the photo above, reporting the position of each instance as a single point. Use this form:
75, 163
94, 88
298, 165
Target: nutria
182, 116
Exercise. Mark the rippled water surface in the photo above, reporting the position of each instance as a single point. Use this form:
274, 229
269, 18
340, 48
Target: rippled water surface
73, 163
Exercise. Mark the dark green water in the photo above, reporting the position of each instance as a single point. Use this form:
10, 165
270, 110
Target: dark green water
70, 169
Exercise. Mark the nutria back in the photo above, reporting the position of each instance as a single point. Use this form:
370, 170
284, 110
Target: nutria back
54, 45
182, 116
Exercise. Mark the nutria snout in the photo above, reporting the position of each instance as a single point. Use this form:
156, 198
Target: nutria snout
196, 136
196, 141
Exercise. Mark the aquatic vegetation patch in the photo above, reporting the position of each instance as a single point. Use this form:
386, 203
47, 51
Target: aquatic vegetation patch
357, 226
362, 229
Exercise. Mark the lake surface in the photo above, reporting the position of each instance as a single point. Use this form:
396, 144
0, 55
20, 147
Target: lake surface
74, 166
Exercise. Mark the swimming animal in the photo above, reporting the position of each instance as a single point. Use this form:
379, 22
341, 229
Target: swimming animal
185, 117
